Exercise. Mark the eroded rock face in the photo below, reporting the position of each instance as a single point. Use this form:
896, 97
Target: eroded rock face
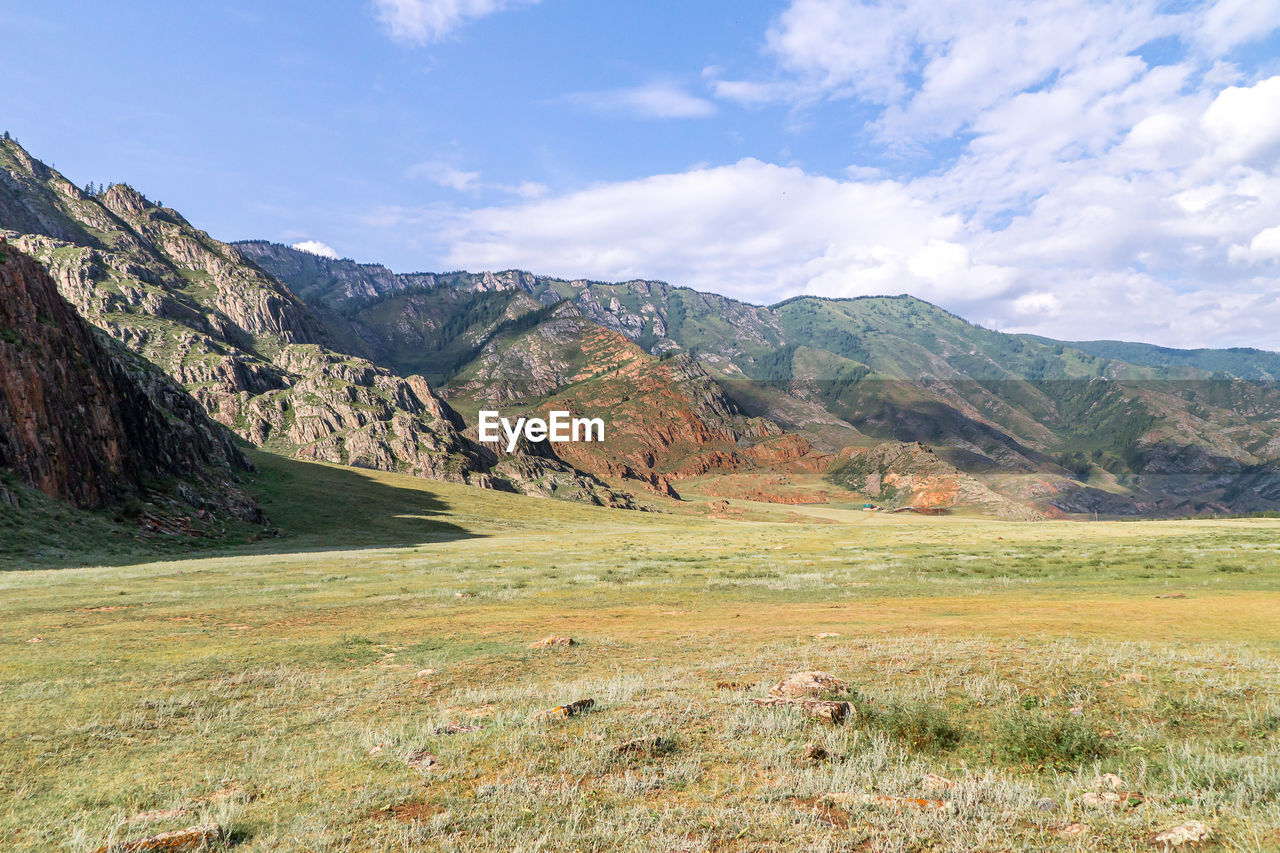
910, 474
250, 352
87, 423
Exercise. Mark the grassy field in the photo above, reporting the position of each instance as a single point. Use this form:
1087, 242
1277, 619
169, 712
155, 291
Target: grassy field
998, 672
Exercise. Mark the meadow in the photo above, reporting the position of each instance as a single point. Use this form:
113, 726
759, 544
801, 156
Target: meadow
365, 681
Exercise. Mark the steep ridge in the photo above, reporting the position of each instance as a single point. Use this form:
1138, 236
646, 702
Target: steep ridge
1080, 429
90, 424
667, 420
256, 357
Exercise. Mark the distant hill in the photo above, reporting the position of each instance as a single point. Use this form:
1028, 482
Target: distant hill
1119, 429
351, 363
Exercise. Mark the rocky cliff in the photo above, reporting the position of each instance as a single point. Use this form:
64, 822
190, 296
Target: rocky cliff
255, 356
86, 422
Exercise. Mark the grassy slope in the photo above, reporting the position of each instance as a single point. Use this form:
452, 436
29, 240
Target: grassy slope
278, 690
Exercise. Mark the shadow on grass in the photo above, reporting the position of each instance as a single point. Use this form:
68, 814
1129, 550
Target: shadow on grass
311, 507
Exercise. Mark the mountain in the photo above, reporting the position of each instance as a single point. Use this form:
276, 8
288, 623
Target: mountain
1080, 428
87, 423
258, 359
329, 359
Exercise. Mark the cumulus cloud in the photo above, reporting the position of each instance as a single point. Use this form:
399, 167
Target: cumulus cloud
421, 21
1137, 233
315, 247
752, 229
653, 100
1265, 246
1090, 193
1245, 121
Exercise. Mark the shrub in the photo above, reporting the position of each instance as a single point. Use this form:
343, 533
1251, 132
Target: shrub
1053, 741
920, 725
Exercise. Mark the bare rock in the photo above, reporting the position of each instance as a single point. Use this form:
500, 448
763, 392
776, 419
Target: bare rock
1100, 800
820, 709
813, 684
553, 642
422, 760
193, 838
1191, 832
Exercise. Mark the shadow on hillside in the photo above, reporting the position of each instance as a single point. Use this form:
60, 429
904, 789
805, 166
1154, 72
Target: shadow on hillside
311, 508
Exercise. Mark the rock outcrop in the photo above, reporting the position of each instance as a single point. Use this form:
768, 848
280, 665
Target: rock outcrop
90, 424
909, 474
258, 359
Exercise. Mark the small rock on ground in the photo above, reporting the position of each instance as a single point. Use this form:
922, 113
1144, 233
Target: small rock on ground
553, 642
820, 709
1191, 832
1172, 595
810, 684
421, 760
193, 838
1044, 804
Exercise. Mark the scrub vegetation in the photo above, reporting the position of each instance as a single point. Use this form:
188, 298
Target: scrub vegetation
364, 680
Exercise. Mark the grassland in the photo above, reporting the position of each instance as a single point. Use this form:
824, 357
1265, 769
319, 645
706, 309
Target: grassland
278, 687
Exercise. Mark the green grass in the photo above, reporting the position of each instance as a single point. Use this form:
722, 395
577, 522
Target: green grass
277, 686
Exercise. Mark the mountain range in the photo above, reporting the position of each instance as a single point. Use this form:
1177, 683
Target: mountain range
884, 400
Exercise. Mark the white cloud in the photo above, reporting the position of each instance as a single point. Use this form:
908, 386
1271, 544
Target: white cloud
1091, 194
421, 21
463, 181
445, 176
1245, 121
653, 100
1225, 24
315, 247
1115, 220
752, 229
1265, 246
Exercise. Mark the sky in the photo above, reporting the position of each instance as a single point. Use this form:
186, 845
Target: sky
1081, 170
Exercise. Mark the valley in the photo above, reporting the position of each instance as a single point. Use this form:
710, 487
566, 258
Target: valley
364, 680
266, 587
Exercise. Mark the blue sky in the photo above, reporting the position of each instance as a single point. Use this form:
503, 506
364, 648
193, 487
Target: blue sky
1078, 169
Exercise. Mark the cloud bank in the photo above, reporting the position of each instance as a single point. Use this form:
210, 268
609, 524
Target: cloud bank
1113, 175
